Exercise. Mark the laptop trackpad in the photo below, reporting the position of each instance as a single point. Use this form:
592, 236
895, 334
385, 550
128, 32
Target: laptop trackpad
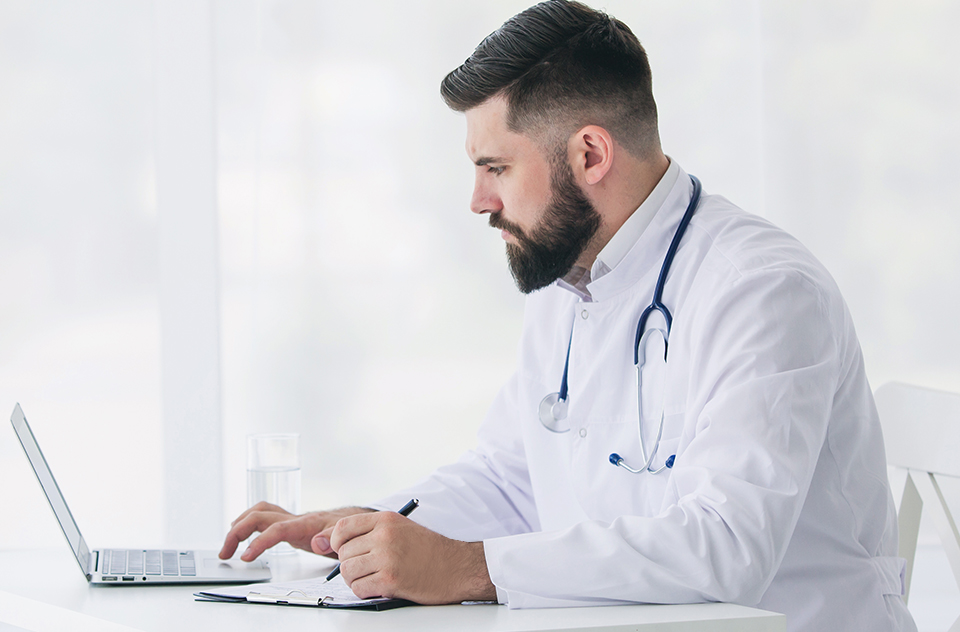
215, 567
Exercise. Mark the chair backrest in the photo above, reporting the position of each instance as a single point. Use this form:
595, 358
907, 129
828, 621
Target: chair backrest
921, 433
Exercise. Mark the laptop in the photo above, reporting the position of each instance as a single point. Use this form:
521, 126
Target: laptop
131, 567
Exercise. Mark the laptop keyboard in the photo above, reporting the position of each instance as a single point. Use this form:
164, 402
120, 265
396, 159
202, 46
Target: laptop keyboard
138, 562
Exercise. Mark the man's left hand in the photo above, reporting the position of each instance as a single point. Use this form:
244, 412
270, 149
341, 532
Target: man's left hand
384, 554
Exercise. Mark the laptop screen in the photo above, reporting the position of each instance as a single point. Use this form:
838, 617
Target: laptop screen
51, 489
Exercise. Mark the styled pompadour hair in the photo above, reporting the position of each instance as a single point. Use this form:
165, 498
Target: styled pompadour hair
561, 65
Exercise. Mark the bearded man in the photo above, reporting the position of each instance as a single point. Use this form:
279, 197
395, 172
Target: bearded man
690, 419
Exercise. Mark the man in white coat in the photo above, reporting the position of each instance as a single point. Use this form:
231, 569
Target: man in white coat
758, 474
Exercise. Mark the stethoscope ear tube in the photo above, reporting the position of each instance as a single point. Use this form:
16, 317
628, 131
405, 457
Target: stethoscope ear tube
617, 460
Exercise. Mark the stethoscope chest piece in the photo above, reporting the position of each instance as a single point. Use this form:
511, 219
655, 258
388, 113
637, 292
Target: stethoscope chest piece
553, 411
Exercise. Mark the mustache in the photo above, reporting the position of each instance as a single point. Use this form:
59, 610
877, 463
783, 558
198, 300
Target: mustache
496, 220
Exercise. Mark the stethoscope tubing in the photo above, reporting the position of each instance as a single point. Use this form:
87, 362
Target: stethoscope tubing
657, 303
553, 407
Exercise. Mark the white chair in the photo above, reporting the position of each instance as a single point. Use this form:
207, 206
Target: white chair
921, 432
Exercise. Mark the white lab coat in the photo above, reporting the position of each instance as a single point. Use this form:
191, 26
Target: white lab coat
779, 495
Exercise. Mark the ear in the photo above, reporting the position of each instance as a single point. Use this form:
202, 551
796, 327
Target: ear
592, 153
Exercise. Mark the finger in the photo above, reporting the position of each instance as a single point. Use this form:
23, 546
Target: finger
241, 531
357, 567
260, 506
351, 527
373, 585
258, 521
229, 548
271, 536
355, 547
320, 543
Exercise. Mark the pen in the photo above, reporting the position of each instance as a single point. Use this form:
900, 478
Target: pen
406, 510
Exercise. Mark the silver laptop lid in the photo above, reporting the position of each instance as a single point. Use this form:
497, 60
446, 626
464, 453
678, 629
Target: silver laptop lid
51, 489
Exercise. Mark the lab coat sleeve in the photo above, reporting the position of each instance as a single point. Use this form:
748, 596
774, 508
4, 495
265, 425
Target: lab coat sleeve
761, 392
487, 492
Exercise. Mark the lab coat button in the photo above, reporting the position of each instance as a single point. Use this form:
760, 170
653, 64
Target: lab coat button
583, 432
584, 314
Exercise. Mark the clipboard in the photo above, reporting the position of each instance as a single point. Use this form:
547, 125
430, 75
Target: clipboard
315, 593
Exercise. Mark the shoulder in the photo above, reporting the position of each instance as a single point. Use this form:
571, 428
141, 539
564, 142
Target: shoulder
732, 247
746, 243
743, 268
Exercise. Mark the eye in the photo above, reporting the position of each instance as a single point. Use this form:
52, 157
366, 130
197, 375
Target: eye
496, 170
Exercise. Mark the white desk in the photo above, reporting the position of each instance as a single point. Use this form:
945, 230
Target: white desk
163, 608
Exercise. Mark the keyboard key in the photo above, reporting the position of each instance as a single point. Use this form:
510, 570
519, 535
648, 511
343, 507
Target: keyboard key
118, 562
188, 566
135, 562
151, 564
170, 566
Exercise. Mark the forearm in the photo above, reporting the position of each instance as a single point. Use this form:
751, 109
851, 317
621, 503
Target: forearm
475, 583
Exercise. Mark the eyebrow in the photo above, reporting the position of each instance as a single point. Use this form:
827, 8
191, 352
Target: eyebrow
481, 162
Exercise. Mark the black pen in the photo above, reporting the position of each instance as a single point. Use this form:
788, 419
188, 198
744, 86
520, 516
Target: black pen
406, 510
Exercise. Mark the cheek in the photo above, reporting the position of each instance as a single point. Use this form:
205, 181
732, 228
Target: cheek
527, 203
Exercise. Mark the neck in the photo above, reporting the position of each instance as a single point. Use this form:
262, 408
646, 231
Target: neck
623, 190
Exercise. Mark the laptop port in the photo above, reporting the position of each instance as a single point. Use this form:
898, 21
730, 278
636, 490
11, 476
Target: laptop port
107, 578
128, 579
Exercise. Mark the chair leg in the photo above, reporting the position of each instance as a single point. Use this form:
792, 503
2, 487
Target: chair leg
908, 519
956, 626
946, 526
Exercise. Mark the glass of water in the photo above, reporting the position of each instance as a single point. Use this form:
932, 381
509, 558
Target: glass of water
273, 474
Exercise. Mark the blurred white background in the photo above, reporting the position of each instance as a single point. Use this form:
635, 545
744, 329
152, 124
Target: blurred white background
359, 302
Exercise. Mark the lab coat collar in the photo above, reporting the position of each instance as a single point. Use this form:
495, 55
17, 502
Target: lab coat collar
651, 246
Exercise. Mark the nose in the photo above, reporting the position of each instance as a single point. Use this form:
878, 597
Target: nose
484, 199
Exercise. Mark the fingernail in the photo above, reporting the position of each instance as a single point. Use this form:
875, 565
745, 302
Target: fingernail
322, 542
245, 553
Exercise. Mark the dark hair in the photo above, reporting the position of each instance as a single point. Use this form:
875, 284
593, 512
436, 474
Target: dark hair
562, 65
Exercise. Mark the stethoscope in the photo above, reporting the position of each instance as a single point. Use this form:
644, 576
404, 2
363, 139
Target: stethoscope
553, 407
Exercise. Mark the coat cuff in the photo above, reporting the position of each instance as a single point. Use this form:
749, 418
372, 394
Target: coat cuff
494, 570
514, 599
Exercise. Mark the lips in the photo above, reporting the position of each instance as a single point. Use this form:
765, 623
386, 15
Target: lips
508, 230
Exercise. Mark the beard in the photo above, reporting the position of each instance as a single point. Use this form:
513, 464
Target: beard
567, 225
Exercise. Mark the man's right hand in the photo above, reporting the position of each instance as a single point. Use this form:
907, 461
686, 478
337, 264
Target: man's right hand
310, 531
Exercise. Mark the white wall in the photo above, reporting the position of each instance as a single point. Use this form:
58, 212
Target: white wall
360, 302
79, 322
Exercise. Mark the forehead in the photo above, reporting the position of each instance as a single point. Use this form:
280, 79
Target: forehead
489, 137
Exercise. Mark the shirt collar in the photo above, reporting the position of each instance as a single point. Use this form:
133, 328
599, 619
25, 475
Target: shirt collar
628, 234
623, 240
